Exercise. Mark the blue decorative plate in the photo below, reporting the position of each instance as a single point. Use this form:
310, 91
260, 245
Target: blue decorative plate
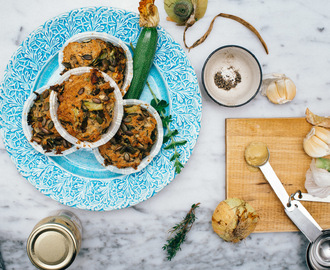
78, 180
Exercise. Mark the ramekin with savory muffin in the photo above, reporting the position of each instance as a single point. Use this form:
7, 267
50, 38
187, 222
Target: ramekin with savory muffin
39, 128
137, 141
101, 51
86, 107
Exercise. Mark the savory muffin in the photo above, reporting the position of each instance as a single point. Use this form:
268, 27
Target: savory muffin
133, 141
99, 54
85, 105
43, 130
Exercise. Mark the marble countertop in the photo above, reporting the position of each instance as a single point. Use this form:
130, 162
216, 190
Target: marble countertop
298, 38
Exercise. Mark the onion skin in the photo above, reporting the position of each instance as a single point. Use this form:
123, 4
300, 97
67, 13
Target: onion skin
234, 219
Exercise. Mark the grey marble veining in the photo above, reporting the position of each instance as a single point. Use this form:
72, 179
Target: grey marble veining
298, 38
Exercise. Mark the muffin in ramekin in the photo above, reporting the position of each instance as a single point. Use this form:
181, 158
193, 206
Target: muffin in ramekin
137, 141
101, 51
39, 128
86, 107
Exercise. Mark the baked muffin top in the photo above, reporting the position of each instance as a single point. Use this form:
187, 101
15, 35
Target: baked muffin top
86, 105
134, 139
43, 130
99, 54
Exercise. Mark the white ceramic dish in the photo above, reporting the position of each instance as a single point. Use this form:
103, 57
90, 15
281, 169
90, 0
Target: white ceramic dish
117, 117
232, 58
27, 129
154, 150
108, 38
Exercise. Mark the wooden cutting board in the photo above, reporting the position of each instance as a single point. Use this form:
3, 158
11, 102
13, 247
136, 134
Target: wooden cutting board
284, 137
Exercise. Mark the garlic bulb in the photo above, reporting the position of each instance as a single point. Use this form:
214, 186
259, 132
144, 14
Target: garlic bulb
317, 142
318, 178
278, 88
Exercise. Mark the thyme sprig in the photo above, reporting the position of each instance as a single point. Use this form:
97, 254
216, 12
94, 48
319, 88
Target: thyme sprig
160, 106
173, 244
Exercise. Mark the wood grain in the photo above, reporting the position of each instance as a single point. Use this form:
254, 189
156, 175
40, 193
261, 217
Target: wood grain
284, 137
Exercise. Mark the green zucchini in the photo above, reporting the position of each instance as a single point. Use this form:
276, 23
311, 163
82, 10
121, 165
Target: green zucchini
144, 54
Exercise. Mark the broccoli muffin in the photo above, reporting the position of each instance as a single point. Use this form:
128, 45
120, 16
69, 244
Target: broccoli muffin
98, 54
43, 130
133, 141
86, 105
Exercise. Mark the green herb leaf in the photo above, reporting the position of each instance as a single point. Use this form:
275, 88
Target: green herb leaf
170, 134
175, 156
178, 166
159, 106
166, 120
173, 144
173, 245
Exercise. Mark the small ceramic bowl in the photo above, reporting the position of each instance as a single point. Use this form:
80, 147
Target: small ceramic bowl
81, 37
117, 116
154, 150
28, 131
227, 66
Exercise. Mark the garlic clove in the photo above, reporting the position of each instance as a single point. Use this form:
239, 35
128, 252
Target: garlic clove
272, 93
278, 88
323, 134
315, 146
291, 89
281, 89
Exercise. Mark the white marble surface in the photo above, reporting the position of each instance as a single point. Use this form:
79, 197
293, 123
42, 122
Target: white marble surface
297, 34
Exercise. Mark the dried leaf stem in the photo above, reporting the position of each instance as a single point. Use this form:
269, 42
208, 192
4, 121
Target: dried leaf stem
224, 15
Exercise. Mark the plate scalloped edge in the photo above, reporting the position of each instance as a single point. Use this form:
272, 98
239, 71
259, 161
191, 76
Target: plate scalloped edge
49, 178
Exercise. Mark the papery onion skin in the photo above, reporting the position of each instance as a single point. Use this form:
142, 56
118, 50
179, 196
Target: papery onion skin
234, 219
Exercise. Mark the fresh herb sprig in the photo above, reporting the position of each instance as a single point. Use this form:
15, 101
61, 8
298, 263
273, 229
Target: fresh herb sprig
173, 244
160, 106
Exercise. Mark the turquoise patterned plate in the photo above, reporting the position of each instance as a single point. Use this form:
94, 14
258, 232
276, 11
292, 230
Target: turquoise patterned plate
78, 180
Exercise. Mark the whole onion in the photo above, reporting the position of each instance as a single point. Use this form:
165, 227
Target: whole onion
234, 219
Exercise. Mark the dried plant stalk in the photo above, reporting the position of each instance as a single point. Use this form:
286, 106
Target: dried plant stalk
224, 15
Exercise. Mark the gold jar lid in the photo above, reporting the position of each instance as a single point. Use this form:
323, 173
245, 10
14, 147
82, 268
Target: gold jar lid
51, 246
